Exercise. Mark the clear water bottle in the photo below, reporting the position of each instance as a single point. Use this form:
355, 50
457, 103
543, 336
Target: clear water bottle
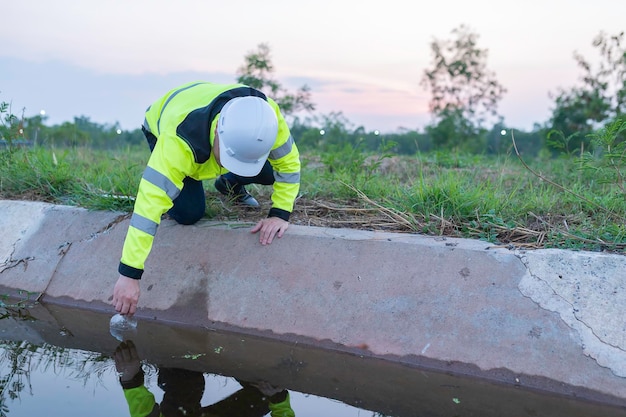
122, 326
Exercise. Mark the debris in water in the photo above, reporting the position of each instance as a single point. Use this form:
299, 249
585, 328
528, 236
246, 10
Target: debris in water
193, 356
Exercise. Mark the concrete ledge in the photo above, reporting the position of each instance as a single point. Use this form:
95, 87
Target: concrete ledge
542, 319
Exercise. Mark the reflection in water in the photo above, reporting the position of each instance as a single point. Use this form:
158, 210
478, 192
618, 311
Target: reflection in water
183, 390
38, 378
22, 364
54, 361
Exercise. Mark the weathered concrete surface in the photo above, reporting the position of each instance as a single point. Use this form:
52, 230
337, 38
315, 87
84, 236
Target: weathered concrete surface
546, 319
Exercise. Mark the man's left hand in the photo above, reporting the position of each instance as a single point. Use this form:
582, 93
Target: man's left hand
270, 227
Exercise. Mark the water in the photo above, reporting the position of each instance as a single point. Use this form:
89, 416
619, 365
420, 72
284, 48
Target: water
80, 383
56, 362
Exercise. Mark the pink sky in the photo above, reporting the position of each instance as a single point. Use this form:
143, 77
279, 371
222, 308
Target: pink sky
365, 61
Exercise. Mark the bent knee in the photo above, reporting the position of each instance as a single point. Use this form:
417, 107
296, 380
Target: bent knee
186, 218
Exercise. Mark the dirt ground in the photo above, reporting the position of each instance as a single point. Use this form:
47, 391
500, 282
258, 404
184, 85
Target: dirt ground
307, 212
364, 214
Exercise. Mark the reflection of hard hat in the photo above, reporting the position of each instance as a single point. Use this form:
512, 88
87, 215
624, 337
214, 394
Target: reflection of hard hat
247, 130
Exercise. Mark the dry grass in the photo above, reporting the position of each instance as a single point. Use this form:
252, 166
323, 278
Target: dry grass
365, 214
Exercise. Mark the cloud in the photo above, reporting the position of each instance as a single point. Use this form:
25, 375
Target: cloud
66, 91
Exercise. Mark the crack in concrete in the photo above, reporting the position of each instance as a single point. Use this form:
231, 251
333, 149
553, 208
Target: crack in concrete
62, 249
66, 246
598, 350
574, 311
108, 227
12, 263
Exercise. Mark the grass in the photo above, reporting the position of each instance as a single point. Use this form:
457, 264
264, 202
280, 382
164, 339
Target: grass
551, 202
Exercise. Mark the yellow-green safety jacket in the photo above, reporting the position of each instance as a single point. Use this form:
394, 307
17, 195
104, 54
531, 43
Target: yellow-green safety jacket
141, 403
184, 122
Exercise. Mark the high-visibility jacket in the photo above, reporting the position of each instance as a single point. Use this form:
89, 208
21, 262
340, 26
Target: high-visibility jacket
184, 122
141, 403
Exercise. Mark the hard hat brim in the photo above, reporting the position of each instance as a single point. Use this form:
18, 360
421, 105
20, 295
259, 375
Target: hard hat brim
244, 169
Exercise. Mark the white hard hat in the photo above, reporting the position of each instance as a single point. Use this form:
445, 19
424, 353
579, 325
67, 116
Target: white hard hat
247, 129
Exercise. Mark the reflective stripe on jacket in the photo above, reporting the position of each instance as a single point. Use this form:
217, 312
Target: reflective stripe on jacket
184, 121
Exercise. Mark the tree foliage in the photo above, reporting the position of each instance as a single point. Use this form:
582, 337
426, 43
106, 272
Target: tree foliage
464, 92
11, 127
599, 98
258, 71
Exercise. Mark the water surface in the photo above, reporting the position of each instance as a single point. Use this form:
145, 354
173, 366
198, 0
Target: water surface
56, 361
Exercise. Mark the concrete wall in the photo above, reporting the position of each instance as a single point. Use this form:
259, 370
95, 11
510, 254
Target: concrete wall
551, 320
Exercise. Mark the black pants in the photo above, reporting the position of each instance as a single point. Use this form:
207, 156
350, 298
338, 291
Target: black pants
183, 390
190, 205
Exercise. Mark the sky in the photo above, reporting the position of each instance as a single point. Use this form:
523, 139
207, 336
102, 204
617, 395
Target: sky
109, 60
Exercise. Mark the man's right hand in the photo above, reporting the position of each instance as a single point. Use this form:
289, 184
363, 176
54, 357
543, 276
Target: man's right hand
127, 362
126, 295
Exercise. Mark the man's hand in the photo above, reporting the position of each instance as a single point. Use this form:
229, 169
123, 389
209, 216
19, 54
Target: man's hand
270, 227
126, 295
127, 361
266, 388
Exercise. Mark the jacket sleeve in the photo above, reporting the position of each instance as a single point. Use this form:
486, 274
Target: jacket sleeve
141, 402
281, 408
170, 162
285, 159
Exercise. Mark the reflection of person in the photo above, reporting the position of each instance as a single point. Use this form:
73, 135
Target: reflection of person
183, 390
199, 131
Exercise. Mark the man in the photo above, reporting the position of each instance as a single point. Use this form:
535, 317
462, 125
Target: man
183, 390
199, 131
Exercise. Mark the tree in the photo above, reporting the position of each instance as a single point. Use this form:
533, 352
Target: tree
601, 97
464, 93
11, 127
257, 72
34, 128
454, 130
335, 131
68, 135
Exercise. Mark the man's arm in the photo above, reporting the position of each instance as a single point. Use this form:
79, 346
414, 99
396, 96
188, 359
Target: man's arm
285, 160
140, 401
162, 180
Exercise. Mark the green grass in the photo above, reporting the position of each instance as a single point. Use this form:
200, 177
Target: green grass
559, 203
